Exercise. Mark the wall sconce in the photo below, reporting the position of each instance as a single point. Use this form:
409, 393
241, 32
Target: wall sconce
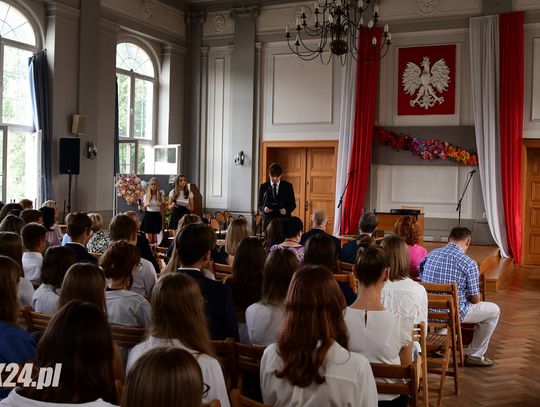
91, 150
239, 158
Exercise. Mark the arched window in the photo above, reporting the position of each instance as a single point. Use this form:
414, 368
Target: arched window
136, 78
19, 145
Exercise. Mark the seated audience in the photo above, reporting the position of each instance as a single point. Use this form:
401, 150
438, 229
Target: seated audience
193, 245
66, 238
78, 337
366, 227
56, 262
321, 251
16, 345
408, 228
85, 282
34, 242
264, 317
142, 242
237, 231
310, 365
49, 211
178, 321
124, 228
80, 230
379, 335
292, 230
319, 222
26, 204
165, 377
184, 220
100, 239
12, 247
32, 215
12, 223
400, 294
450, 264
273, 234
124, 307
7, 208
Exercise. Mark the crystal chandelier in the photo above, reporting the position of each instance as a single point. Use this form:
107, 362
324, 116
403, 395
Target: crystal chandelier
336, 27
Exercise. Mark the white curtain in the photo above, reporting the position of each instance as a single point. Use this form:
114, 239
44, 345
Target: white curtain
346, 126
484, 42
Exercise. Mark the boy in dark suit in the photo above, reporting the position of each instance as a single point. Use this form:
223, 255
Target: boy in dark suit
276, 196
80, 230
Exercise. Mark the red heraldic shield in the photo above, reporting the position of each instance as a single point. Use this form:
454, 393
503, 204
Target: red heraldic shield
427, 80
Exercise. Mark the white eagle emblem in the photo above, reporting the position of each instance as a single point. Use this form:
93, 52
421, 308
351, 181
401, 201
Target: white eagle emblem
424, 81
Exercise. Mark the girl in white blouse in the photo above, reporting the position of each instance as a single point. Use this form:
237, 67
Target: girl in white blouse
152, 205
179, 321
180, 201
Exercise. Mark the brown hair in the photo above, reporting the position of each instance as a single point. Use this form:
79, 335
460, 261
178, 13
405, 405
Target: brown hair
177, 187
178, 312
370, 264
164, 377
79, 338
237, 231
9, 278
187, 219
83, 281
314, 315
193, 241
7, 208
122, 227
56, 262
459, 234
320, 250
12, 223
368, 223
32, 235
31, 215
26, 203
119, 260
274, 233
97, 221
246, 275
278, 270
11, 246
78, 224
398, 257
275, 170
409, 229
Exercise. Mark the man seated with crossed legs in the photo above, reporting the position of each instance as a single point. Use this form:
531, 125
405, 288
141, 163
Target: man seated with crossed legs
450, 264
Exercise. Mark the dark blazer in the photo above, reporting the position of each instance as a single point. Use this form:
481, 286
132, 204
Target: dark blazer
81, 254
146, 252
349, 250
218, 304
315, 231
284, 197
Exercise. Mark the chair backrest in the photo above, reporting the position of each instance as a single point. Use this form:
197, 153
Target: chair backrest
127, 337
35, 321
419, 335
96, 255
345, 267
208, 216
348, 278
406, 384
239, 400
215, 224
247, 361
225, 355
227, 215
219, 217
223, 268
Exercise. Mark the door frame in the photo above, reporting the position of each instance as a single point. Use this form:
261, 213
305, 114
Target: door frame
528, 144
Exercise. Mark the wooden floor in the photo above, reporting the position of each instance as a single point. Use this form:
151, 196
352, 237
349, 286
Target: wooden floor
515, 346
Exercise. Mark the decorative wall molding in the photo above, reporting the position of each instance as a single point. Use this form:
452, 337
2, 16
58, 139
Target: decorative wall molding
394, 10
218, 24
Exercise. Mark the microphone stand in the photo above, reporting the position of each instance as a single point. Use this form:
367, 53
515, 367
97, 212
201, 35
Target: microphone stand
458, 208
343, 194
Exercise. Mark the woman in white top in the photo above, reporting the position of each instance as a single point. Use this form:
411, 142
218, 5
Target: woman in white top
264, 317
124, 307
78, 337
179, 321
56, 262
180, 201
310, 365
400, 294
152, 205
379, 335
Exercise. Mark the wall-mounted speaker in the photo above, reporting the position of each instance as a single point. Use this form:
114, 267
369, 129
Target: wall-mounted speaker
70, 154
78, 124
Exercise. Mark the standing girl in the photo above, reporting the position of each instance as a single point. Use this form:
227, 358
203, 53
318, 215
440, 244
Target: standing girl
152, 205
180, 201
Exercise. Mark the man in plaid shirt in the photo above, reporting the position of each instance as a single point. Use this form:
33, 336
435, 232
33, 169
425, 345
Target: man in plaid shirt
450, 264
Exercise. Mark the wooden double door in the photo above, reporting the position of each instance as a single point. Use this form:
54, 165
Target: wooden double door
531, 218
311, 168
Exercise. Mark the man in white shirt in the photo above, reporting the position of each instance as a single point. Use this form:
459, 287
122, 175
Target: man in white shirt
123, 227
34, 241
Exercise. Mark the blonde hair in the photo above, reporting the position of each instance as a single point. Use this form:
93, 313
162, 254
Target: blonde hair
237, 231
97, 221
398, 257
149, 193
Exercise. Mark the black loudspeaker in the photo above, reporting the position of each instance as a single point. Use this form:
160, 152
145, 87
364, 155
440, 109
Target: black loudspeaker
70, 153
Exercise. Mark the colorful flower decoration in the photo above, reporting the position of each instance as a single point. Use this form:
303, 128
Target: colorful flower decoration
129, 187
430, 149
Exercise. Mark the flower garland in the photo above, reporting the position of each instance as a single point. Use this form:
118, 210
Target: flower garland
129, 187
430, 149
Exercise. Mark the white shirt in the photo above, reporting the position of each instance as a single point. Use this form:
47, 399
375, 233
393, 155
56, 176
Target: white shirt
210, 367
406, 298
181, 199
16, 400
45, 299
32, 262
379, 336
152, 204
348, 382
125, 307
263, 322
144, 279
25, 292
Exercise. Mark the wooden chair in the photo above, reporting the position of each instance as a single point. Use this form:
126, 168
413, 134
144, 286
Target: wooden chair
348, 278
207, 216
35, 321
345, 267
127, 337
221, 271
441, 317
238, 400
419, 335
96, 255
449, 291
406, 383
214, 224
247, 359
213, 403
220, 218
224, 352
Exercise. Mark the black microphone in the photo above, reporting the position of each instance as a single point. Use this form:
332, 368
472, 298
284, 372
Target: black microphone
472, 172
